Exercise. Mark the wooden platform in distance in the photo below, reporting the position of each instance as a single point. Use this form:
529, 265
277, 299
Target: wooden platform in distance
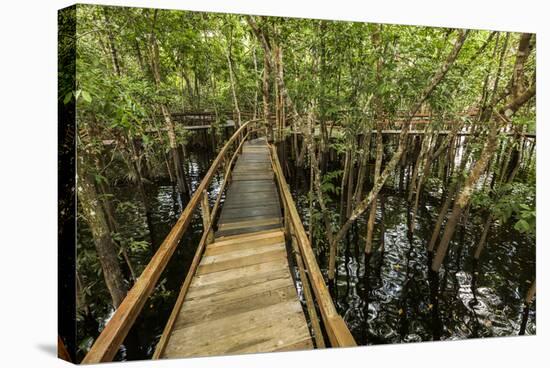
242, 298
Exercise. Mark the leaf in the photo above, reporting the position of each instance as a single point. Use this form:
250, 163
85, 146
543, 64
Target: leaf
68, 97
86, 96
100, 178
522, 226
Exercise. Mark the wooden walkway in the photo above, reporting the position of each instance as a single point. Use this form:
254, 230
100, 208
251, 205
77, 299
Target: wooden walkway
242, 298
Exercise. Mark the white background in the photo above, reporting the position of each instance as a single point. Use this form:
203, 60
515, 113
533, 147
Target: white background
28, 170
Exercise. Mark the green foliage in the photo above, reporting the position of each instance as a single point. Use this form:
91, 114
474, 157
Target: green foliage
513, 202
327, 182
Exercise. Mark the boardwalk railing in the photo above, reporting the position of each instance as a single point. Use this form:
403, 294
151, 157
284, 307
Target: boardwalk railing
107, 344
310, 274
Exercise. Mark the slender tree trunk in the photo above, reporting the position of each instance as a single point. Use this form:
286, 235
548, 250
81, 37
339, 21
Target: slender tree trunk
483, 240
280, 91
112, 47
172, 141
361, 175
255, 59
309, 142
350, 186
377, 171
343, 184
265, 97
463, 197
232, 82
95, 217
104, 191
526, 306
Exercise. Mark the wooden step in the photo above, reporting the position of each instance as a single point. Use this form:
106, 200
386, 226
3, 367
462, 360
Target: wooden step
269, 236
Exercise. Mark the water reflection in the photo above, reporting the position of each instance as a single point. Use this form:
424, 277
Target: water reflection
397, 298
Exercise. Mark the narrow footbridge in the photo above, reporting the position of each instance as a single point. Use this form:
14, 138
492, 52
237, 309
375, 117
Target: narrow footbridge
239, 295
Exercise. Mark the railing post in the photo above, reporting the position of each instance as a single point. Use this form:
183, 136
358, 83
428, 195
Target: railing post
240, 146
205, 207
315, 324
286, 221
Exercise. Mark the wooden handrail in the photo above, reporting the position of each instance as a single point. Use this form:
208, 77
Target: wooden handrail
337, 331
108, 342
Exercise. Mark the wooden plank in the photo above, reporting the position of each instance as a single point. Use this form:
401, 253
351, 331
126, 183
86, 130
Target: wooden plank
258, 166
261, 236
232, 253
259, 202
231, 214
297, 338
253, 171
241, 262
238, 248
227, 285
226, 306
246, 230
258, 217
227, 326
252, 176
222, 297
240, 333
305, 344
242, 188
248, 187
249, 191
248, 223
264, 183
210, 278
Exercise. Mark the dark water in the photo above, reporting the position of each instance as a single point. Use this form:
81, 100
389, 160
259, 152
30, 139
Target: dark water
166, 206
394, 299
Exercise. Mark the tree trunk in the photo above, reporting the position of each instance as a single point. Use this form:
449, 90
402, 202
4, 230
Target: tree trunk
255, 59
265, 97
95, 217
232, 82
172, 141
361, 175
114, 53
463, 197
377, 170
483, 239
526, 306
343, 183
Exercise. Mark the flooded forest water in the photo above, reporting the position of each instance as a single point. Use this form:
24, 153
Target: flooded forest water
391, 299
